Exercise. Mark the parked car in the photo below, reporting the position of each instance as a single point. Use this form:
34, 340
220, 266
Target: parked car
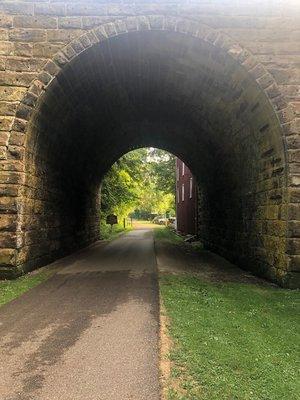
172, 222
155, 219
160, 220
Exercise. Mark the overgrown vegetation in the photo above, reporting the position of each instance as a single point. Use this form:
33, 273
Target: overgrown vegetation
167, 234
232, 341
140, 183
108, 233
9, 290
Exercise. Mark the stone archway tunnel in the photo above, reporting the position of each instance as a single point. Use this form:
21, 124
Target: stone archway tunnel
83, 83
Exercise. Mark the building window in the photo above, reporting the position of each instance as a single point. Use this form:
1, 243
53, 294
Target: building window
191, 188
182, 169
177, 173
182, 193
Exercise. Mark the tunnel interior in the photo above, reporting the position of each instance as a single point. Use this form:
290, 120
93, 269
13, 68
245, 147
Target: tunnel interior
166, 90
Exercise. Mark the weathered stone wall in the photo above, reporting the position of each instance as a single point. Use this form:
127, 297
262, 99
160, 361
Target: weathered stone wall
251, 184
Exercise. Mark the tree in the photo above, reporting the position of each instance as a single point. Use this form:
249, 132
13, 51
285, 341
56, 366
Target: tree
142, 180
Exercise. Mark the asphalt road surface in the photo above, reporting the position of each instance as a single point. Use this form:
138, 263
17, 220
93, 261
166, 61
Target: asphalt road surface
90, 332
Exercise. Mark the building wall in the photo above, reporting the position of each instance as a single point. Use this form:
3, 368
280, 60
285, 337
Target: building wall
186, 199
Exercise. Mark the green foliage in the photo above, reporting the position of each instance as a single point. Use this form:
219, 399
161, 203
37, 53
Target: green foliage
143, 181
14, 288
168, 235
163, 170
108, 234
233, 341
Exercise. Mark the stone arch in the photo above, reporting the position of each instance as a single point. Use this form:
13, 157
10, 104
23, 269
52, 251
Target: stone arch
145, 23
264, 81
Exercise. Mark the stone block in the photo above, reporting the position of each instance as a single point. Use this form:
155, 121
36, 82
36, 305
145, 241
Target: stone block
51, 68
7, 108
100, 33
7, 256
294, 180
35, 22
4, 138
143, 24
86, 9
77, 46
8, 205
2, 63
132, 24
19, 125
70, 23
92, 37
12, 165
69, 52
44, 77
8, 239
46, 50
3, 152
15, 152
17, 7
294, 168
294, 264
9, 190
294, 212
62, 35
3, 34
293, 246
293, 142
110, 29
57, 9
85, 41
17, 139
287, 76
8, 222
60, 59
23, 111
28, 35
272, 212
294, 195
293, 229
293, 156
21, 65
157, 22
23, 49
5, 123
265, 80
92, 22
119, 9
292, 127
287, 115
37, 88
6, 21
6, 48
276, 228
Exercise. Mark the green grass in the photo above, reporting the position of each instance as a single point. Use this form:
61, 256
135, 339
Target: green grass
232, 341
108, 234
10, 289
167, 234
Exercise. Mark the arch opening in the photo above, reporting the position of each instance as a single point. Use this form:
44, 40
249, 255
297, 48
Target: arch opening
167, 90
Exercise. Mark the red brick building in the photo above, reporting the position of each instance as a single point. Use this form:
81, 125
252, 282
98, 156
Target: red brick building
186, 199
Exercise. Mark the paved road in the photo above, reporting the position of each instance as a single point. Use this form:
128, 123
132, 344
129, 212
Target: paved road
90, 332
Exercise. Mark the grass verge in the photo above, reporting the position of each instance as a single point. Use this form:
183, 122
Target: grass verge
10, 289
167, 234
232, 341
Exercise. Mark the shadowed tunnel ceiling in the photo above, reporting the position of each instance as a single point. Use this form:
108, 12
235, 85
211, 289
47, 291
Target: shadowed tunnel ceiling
171, 91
